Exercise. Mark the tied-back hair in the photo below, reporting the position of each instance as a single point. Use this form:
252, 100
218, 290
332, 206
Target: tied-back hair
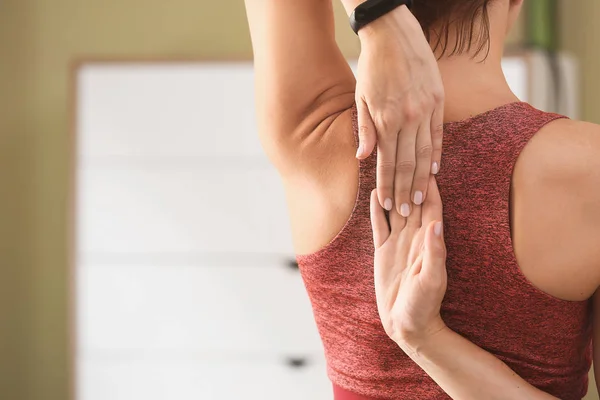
469, 18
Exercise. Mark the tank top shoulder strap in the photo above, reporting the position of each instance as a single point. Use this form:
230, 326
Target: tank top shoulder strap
527, 121
501, 136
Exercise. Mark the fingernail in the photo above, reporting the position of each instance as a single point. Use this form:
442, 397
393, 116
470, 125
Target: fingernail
405, 210
435, 168
387, 204
360, 151
418, 197
437, 229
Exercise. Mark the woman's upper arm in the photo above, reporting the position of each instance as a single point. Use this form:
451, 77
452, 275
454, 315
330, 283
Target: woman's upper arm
302, 79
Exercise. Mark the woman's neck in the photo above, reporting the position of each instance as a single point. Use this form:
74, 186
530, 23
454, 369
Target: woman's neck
475, 83
473, 86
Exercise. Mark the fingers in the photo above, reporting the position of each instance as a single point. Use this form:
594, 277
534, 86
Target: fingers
397, 221
379, 223
386, 168
434, 256
414, 220
432, 209
405, 161
367, 134
437, 137
423, 168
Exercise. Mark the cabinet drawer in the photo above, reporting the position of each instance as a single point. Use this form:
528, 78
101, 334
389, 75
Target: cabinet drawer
164, 379
167, 110
154, 208
203, 310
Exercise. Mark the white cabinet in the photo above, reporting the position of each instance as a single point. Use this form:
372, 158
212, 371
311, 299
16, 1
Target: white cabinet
183, 282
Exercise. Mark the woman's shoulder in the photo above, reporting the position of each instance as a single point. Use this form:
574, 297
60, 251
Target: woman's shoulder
556, 208
564, 151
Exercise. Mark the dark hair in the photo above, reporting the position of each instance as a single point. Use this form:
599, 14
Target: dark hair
469, 18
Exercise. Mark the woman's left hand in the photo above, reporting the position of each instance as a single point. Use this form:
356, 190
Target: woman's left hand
410, 269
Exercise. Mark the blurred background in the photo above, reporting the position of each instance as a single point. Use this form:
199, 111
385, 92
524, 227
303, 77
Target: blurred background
119, 274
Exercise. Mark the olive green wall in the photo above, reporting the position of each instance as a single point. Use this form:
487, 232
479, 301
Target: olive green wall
16, 197
580, 35
39, 41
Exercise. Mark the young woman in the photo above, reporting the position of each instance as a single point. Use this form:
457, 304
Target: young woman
506, 307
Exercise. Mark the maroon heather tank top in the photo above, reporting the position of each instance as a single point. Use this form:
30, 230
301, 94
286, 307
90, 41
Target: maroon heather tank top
489, 301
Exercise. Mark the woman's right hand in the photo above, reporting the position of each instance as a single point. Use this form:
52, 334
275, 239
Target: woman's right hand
400, 103
410, 270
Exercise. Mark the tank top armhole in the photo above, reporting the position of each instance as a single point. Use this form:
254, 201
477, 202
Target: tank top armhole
366, 183
543, 119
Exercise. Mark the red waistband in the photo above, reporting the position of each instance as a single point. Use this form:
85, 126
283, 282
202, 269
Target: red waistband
343, 394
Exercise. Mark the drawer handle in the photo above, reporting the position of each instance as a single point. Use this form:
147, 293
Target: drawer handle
293, 264
296, 362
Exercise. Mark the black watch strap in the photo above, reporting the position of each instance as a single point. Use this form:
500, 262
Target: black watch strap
370, 10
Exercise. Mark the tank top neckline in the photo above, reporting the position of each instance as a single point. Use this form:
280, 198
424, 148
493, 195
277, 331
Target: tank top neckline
447, 125
486, 114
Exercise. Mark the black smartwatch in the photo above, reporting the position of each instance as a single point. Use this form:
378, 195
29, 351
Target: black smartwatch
370, 10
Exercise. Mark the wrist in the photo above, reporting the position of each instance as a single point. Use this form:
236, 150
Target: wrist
415, 343
399, 21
